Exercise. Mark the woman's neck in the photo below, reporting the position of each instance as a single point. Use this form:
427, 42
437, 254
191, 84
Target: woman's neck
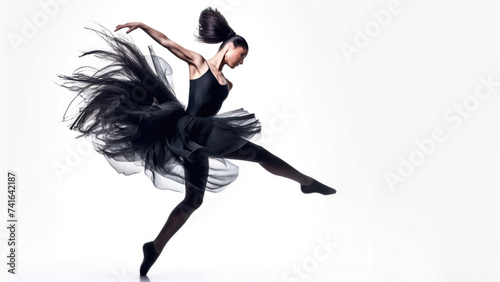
218, 59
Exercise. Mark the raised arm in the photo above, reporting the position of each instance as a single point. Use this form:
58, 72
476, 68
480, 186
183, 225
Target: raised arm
180, 52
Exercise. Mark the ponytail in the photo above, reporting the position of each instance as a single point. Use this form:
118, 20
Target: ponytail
214, 28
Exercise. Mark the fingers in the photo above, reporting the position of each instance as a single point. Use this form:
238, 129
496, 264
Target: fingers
130, 27
120, 26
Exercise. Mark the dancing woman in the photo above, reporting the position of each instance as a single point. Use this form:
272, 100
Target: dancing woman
136, 121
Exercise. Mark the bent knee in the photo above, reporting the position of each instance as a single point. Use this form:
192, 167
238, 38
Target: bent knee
193, 201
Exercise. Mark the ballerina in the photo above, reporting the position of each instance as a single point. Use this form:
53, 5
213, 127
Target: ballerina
138, 123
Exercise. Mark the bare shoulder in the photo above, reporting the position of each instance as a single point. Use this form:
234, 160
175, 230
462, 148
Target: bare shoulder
198, 66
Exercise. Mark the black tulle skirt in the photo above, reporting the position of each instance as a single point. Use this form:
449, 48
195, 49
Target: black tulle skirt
129, 110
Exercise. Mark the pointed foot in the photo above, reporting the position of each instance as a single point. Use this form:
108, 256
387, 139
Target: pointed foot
317, 187
150, 256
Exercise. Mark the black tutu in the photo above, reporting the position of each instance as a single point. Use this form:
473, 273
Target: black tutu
130, 111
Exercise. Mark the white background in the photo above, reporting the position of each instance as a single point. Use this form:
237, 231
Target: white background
350, 120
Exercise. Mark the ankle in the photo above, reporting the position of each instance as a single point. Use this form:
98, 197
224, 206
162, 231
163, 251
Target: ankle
157, 248
308, 181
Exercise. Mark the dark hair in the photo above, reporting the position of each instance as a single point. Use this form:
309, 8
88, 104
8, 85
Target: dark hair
213, 28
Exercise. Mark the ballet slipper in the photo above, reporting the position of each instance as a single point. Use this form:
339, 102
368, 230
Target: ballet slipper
317, 187
150, 256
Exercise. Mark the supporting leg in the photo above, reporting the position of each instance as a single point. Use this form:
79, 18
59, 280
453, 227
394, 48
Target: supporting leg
196, 176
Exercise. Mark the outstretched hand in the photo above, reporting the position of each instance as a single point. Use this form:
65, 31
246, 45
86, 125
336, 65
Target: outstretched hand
131, 26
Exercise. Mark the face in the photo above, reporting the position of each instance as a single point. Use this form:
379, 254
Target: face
235, 56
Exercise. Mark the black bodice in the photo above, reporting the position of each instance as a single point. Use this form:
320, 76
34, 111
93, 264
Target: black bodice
206, 95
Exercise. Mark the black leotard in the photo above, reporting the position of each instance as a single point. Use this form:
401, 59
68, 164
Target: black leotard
206, 95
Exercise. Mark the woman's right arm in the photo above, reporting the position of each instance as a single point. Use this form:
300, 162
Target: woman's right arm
182, 53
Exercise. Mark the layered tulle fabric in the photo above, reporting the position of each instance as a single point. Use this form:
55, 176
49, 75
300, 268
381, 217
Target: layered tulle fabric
130, 111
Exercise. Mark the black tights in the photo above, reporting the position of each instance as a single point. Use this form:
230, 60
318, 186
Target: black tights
194, 197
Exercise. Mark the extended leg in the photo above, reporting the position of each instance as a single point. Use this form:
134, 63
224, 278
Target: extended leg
255, 153
196, 176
